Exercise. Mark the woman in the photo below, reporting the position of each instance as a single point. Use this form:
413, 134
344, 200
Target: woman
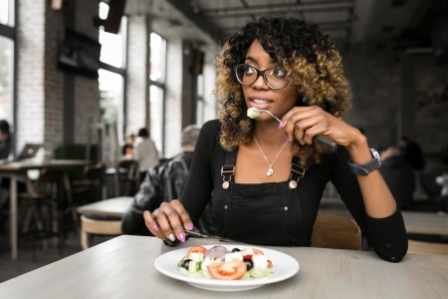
266, 178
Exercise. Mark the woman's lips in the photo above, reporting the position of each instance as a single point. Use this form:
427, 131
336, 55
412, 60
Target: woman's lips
258, 103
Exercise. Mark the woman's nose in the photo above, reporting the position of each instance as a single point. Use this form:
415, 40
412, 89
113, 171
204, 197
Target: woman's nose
260, 83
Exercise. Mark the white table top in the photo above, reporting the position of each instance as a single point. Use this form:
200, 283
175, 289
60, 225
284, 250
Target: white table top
115, 207
27, 165
124, 268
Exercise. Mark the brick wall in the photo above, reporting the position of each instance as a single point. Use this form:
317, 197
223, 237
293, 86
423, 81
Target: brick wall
30, 84
87, 96
173, 97
40, 83
137, 73
385, 94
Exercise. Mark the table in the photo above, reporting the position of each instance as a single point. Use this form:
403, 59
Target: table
415, 222
114, 207
124, 268
14, 169
425, 223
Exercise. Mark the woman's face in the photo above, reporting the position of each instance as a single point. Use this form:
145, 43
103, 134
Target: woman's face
259, 95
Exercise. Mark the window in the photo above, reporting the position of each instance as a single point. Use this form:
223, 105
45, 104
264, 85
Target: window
157, 89
7, 39
111, 75
7, 12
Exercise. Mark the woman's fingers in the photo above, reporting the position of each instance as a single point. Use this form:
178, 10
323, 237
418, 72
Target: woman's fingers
304, 123
152, 225
168, 221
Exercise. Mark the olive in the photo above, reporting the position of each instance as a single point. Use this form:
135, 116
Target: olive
186, 263
249, 263
236, 250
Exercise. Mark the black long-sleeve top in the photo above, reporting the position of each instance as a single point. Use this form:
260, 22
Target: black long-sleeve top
387, 235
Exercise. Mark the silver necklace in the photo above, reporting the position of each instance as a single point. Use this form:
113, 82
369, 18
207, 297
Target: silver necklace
270, 170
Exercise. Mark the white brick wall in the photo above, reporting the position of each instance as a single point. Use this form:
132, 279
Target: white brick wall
173, 97
137, 73
40, 85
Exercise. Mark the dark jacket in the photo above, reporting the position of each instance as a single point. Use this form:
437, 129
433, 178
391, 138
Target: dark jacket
162, 183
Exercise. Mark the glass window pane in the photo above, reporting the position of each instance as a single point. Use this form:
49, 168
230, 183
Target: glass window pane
7, 12
112, 45
157, 58
156, 100
6, 78
111, 98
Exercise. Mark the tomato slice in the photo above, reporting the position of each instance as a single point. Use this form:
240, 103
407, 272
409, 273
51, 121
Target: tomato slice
196, 249
227, 270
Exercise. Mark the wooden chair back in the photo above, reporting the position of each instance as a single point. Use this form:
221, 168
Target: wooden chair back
331, 231
98, 227
427, 247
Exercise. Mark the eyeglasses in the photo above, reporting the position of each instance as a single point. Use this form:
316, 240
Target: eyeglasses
275, 78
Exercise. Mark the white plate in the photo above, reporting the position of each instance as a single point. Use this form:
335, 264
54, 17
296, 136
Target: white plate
285, 267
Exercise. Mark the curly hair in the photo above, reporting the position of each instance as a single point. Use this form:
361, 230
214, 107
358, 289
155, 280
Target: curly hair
314, 68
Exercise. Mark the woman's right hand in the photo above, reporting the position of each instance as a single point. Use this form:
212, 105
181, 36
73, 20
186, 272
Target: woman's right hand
168, 221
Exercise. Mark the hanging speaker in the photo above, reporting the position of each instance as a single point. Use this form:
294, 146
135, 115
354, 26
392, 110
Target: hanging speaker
113, 20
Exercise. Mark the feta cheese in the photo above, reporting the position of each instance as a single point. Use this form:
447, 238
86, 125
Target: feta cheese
233, 257
260, 261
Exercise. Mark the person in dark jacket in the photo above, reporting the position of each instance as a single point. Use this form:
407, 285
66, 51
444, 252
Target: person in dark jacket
165, 183
398, 175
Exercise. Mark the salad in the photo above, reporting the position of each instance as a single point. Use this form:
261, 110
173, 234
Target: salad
219, 262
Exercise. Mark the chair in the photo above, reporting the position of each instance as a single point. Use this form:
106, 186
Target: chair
427, 247
39, 194
336, 232
98, 227
127, 174
90, 184
79, 190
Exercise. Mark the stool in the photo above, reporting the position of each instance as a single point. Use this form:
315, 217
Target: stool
98, 227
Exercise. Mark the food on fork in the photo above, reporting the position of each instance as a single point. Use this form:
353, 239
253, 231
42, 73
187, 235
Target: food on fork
253, 112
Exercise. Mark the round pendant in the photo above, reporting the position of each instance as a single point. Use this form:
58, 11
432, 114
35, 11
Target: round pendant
292, 184
225, 185
270, 172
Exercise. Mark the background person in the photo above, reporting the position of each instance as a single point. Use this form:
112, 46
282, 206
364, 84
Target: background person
164, 183
412, 153
398, 175
145, 152
128, 147
266, 180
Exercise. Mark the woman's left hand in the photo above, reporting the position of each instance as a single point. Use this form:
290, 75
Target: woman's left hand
304, 123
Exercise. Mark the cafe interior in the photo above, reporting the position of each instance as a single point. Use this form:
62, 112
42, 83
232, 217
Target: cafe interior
79, 77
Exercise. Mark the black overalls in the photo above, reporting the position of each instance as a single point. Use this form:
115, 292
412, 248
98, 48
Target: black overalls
261, 214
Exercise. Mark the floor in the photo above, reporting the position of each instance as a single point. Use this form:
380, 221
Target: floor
33, 256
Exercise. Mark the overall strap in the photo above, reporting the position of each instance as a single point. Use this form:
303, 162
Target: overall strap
228, 170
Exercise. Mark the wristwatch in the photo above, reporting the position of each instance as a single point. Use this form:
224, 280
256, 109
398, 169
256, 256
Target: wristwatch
365, 169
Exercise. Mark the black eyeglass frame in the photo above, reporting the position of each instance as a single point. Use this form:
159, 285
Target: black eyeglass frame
259, 73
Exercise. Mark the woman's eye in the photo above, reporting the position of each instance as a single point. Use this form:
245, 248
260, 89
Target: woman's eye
279, 72
249, 70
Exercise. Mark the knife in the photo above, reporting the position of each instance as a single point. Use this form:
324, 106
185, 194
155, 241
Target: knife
200, 234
